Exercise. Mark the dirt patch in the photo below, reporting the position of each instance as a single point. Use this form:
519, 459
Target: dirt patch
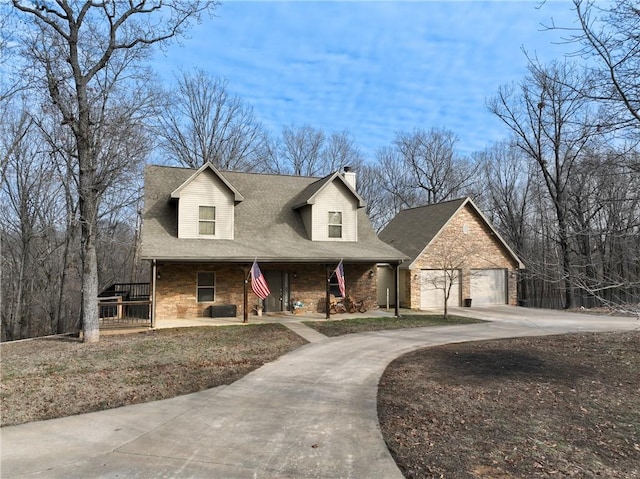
49, 378
562, 406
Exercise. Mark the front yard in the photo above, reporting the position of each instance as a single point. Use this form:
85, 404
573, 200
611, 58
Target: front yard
48, 378
561, 406
550, 407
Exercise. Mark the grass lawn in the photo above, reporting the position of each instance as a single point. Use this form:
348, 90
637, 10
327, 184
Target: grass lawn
56, 377
561, 406
549, 407
49, 378
360, 325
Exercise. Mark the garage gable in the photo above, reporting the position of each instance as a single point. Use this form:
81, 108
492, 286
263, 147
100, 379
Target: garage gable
454, 236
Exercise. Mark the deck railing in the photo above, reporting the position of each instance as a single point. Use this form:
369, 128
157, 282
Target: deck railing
125, 305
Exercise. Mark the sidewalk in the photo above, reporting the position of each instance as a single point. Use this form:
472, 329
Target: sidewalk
282, 317
310, 414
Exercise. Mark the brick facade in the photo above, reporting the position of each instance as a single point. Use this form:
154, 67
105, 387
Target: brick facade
465, 243
176, 295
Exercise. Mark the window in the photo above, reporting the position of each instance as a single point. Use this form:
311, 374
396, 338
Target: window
334, 287
207, 220
335, 224
206, 287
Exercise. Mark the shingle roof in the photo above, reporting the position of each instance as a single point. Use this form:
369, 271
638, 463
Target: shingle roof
307, 196
266, 225
412, 230
237, 196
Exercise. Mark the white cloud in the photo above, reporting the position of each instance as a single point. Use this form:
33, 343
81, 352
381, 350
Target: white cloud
373, 68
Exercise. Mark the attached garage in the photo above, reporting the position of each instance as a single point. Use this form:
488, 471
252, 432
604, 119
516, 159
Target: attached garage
488, 286
452, 235
432, 285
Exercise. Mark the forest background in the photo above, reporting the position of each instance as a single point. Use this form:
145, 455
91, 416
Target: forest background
82, 113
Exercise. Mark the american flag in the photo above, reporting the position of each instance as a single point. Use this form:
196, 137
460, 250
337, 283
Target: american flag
340, 276
258, 284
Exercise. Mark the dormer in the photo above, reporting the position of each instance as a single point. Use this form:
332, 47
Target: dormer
329, 209
206, 204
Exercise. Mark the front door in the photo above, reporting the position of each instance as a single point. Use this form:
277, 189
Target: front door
278, 282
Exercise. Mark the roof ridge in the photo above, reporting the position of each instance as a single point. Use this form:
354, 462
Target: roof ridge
260, 173
461, 199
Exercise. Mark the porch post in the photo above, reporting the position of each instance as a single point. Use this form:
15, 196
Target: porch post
245, 311
397, 287
152, 306
327, 304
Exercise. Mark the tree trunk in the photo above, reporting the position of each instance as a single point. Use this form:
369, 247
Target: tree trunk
88, 218
90, 323
563, 239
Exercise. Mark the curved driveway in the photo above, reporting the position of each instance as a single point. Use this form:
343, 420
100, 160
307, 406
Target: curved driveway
310, 414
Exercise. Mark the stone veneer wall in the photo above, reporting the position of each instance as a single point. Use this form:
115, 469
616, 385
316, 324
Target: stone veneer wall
176, 286
473, 247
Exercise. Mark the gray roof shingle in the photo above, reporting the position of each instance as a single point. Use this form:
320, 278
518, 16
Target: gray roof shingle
412, 230
266, 225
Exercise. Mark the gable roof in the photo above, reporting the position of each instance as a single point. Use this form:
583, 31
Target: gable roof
208, 166
412, 230
309, 194
267, 226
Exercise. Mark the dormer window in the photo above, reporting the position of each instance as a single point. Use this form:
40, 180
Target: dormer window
335, 224
207, 220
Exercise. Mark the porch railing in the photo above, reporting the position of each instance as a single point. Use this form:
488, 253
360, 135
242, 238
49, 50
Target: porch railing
125, 305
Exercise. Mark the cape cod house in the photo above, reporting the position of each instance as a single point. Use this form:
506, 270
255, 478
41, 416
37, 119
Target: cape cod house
203, 229
449, 244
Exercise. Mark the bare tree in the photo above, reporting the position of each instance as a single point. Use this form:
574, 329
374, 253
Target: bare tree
201, 121
605, 216
10, 83
308, 151
392, 185
507, 177
444, 279
421, 167
550, 118
298, 151
608, 34
370, 188
29, 240
73, 46
340, 150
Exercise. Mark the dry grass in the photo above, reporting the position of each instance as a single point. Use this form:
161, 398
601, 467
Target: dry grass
361, 325
563, 406
49, 378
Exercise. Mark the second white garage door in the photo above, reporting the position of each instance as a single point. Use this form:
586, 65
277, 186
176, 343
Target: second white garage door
432, 282
488, 286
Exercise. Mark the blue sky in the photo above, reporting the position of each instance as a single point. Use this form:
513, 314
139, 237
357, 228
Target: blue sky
373, 68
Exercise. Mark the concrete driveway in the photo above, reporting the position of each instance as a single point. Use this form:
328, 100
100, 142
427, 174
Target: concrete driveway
310, 414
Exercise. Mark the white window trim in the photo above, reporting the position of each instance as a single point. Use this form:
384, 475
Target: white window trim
214, 220
329, 225
198, 287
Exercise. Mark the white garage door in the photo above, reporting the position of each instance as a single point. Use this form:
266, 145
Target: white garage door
432, 284
488, 286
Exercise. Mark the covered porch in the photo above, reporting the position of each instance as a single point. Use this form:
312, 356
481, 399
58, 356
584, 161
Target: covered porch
196, 290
